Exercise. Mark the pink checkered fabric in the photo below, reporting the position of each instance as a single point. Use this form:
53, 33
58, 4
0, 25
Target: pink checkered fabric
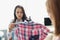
24, 31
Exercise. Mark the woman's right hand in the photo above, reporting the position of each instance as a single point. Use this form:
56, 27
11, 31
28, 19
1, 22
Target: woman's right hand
11, 26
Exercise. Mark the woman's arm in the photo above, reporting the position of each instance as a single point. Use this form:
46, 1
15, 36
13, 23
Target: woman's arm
11, 26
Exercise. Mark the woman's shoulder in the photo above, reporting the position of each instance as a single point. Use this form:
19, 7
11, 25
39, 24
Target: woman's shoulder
49, 36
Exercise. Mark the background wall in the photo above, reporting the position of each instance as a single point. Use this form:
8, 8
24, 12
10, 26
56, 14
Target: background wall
34, 8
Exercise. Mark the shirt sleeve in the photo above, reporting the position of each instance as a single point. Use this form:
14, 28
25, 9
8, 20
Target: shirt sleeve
44, 31
9, 35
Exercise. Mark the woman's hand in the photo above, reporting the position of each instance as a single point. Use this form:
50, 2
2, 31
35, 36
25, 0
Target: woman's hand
11, 26
10, 38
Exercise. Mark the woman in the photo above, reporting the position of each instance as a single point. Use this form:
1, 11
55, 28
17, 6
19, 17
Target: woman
53, 8
19, 16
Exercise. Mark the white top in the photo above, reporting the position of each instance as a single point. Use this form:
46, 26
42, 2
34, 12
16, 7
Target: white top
10, 33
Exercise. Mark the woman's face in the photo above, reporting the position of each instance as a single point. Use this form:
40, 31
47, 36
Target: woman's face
19, 13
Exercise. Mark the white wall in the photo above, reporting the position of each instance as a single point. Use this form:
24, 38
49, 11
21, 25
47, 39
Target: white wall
34, 8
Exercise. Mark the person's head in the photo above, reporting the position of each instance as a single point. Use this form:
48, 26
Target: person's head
53, 8
19, 13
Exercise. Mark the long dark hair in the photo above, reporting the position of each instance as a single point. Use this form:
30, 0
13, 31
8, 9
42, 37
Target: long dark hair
24, 15
54, 6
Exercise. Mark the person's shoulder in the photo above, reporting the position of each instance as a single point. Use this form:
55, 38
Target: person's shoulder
49, 37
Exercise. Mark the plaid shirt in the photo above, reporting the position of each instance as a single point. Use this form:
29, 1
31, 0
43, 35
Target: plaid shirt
25, 31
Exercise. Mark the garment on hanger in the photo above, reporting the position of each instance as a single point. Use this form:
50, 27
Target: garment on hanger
29, 31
